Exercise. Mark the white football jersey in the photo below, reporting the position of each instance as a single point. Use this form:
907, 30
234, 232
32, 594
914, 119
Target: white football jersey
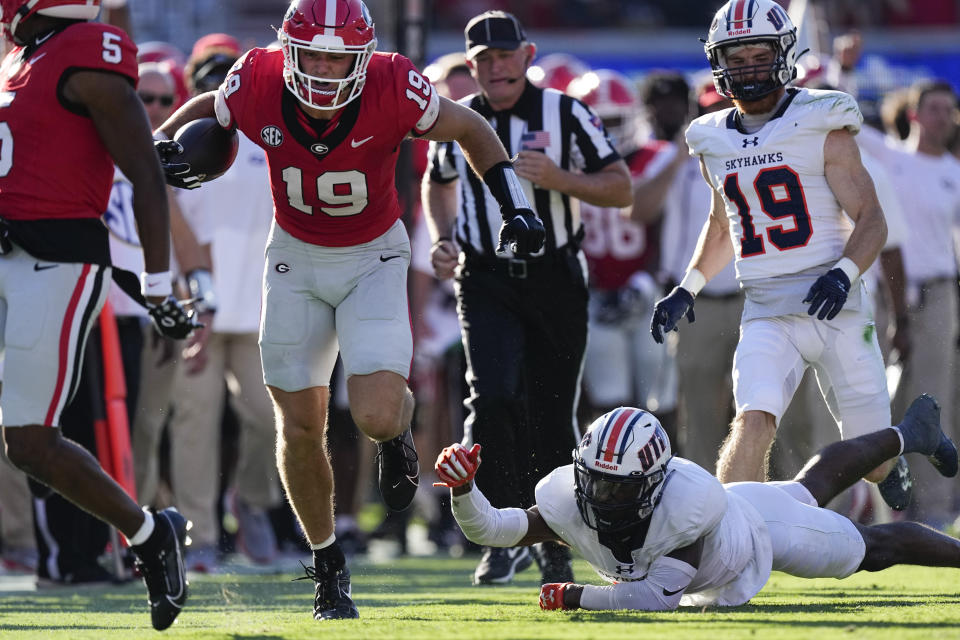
783, 216
737, 555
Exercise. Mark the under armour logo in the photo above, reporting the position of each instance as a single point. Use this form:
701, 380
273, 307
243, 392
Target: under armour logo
624, 569
755, 142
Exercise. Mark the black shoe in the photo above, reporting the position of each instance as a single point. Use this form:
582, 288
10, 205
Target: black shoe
399, 471
897, 488
944, 459
498, 565
332, 600
555, 562
160, 562
922, 433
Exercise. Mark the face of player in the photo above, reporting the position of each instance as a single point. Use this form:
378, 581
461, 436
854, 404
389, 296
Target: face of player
936, 114
326, 64
155, 90
750, 63
501, 74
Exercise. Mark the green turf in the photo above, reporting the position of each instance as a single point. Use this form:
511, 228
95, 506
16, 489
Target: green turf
431, 598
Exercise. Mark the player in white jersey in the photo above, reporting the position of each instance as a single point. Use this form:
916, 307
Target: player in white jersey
666, 533
794, 205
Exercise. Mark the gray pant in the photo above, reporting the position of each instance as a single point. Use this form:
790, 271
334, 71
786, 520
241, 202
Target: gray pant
705, 361
931, 368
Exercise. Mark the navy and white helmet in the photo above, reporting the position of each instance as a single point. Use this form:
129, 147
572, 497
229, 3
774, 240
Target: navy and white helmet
620, 467
740, 23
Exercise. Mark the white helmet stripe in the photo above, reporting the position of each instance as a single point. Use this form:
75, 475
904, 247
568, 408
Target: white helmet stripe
330, 18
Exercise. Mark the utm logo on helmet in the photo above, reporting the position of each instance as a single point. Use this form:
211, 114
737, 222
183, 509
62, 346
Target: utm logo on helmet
16, 11
332, 26
742, 23
620, 467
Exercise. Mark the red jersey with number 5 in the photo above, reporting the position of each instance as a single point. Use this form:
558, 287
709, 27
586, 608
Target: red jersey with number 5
52, 161
332, 181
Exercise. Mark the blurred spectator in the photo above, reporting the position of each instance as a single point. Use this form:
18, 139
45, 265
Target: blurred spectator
928, 178
623, 365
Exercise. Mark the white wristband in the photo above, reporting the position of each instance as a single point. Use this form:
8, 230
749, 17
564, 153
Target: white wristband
849, 267
156, 284
694, 281
485, 525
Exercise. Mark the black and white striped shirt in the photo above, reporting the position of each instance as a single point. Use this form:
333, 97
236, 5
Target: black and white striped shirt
542, 119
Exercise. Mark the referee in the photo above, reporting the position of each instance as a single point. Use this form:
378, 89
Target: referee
523, 318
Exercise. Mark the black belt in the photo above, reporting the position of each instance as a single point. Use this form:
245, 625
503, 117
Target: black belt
519, 268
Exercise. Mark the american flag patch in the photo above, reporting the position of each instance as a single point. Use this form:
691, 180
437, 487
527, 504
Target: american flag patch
536, 140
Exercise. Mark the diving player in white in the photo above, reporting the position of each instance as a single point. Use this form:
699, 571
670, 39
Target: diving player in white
666, 533
794, 205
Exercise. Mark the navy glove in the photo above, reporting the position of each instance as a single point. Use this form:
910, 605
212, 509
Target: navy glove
829, 294
177, 174
172, 320
669, 310
524, 233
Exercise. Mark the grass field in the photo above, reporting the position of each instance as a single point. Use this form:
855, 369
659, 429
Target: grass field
430, 597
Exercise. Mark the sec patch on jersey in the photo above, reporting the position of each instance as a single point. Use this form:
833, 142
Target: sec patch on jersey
208, 148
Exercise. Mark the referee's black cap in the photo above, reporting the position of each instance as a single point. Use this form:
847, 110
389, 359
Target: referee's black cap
493, 30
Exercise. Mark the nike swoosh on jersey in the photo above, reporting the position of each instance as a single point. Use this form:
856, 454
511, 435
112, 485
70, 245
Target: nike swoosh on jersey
44, 267
34, 59
384, 259
356, 143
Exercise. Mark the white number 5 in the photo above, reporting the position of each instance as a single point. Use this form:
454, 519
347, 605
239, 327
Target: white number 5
111, 48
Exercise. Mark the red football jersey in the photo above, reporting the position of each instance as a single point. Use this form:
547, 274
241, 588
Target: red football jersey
617, 247
52, 161
334, 188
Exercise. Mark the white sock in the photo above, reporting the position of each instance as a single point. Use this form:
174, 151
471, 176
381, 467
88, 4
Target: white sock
899, 435
326, 543
144, 531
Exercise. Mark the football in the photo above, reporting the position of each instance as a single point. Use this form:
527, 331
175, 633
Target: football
208, 148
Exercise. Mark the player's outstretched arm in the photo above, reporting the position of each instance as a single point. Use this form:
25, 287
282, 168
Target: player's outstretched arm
121, 122
481, 522
661, 590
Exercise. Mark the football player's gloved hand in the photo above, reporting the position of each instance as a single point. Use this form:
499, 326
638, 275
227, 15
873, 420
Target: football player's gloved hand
829, 294
177, 174
171, 319
669, 310
523, 233
456, 466
551, 595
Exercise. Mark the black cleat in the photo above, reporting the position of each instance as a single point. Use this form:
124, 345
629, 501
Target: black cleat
162, 569
944, 459
922, 434
555, 562
332, 600
498, 565
399, 471
897, 488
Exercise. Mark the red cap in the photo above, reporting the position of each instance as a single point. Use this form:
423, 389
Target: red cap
708, 96
219, 40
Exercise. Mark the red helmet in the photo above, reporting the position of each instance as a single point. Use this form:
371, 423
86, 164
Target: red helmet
614, 98
16, 11
335, 26
556, 70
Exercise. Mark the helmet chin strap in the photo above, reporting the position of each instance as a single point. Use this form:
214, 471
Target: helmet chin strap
622, 543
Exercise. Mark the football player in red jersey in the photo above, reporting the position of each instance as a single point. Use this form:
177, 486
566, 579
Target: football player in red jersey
331, 112
69, 111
